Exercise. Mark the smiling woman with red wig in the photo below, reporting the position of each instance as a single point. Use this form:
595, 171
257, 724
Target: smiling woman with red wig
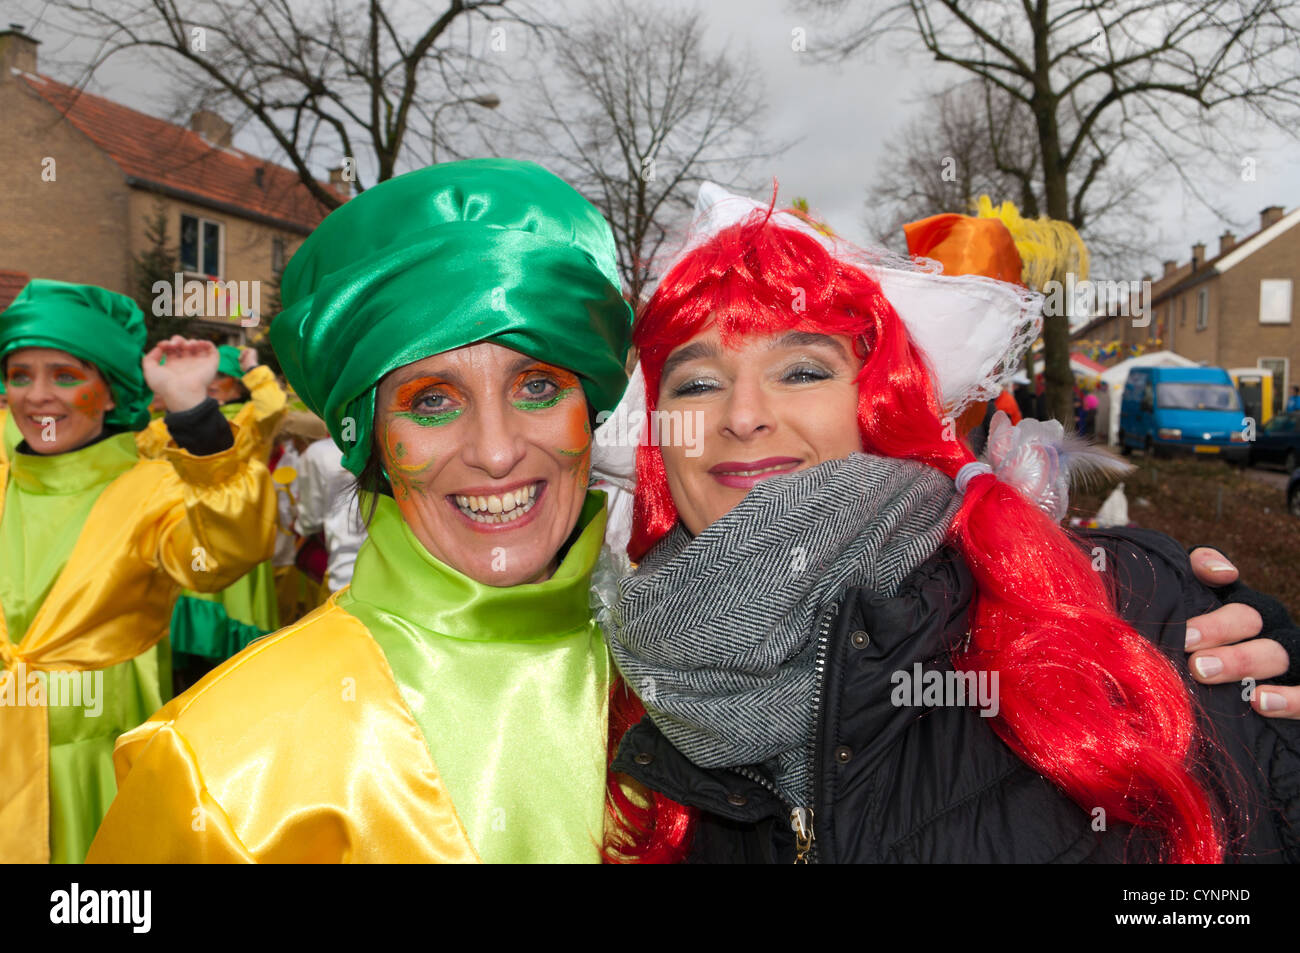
856, 643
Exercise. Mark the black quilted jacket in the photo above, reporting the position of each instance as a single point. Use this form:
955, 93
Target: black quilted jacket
904, 784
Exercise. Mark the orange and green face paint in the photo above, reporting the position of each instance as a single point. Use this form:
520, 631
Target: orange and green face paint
88, 395
475, 421
558, 384
60, 401
555, 382
423, 392
417, 401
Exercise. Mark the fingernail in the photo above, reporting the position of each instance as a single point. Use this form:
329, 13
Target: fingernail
1193, 636
1271, 701
1208, 666
1220, 567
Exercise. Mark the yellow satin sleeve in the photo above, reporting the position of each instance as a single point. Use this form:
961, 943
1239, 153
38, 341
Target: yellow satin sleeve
258, 419
255, 422
151, 441
222, 520
297, 750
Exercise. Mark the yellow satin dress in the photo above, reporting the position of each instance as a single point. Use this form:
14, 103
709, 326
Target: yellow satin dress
182, 520
322, 763
419, 716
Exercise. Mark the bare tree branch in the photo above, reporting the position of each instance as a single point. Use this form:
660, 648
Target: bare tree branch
1098, 76
636, 113
299, 70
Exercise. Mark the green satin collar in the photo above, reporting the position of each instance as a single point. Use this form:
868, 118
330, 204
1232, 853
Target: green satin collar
60, 474
395, 573
509, 687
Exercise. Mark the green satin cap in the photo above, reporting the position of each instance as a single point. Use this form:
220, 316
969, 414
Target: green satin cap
99, 326
482, 250
228, 361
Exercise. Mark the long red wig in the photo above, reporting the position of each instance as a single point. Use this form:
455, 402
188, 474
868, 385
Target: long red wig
1085, 700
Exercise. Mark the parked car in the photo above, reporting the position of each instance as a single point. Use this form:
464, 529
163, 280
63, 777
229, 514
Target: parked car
1168, 410
1278, 441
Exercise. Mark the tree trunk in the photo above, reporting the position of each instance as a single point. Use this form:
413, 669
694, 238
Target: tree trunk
1056, 328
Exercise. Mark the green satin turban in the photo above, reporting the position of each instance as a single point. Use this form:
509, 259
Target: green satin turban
482, 250
96, 325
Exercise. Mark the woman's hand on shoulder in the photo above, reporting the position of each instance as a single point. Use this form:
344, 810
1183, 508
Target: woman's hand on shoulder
1223, 645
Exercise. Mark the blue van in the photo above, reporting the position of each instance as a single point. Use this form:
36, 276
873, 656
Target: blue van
1168, 410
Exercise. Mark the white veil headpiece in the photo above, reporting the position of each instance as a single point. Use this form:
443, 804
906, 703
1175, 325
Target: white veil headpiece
972, 330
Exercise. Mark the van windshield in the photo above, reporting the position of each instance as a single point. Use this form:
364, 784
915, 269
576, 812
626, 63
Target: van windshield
1198, 397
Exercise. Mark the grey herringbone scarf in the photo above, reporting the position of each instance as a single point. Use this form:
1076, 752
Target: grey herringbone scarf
717, 633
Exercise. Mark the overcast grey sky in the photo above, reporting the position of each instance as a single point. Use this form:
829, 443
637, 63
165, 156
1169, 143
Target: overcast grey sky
841, 119
846, 116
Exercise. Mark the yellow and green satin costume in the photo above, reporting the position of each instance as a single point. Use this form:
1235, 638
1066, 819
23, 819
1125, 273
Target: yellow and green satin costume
418, 716
12, 435
217, 625
94, 544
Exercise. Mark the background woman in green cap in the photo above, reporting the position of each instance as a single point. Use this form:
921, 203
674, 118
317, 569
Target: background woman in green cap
458, 328
208, 628
94, 542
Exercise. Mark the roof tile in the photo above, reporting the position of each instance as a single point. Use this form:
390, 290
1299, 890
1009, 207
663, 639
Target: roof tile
168, 155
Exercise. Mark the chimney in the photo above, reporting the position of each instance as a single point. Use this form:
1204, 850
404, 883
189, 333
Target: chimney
211, 127
1198, 255
1269, 216
17, 51
1227, 241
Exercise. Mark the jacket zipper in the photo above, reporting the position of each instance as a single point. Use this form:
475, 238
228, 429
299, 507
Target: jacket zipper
805, 836
801, 818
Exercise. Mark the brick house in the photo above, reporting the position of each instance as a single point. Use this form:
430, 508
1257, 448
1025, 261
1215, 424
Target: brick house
1106, 331
1114, 337
1238, 308
11, 282
87, 174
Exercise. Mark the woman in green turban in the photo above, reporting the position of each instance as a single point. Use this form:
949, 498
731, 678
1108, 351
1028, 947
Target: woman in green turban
458, 328
96, 541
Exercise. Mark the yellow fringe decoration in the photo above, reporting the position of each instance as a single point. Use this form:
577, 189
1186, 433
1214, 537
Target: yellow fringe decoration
1049, 249
800, 208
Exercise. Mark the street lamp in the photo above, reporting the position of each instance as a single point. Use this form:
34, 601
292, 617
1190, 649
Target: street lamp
487, 101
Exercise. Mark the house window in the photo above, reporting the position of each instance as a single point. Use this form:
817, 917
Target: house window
1202, 309
277, 256
1182, 312
1275, 301
201, 245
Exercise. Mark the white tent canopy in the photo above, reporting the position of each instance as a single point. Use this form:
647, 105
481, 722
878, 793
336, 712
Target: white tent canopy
1115, 378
